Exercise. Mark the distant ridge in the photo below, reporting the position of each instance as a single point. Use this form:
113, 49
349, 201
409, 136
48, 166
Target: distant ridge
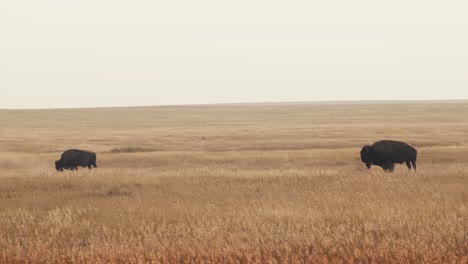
343, 102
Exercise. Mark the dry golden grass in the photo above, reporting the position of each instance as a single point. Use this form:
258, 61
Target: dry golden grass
234, 184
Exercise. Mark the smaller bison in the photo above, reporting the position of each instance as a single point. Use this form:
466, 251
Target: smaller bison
386, 153
74, 158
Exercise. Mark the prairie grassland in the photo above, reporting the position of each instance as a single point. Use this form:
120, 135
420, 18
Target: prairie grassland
280, 183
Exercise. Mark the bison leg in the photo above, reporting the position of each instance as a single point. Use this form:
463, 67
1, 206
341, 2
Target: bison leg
388, 166
414, 164
408, 164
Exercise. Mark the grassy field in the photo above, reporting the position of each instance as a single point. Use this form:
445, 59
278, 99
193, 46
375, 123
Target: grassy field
253, 183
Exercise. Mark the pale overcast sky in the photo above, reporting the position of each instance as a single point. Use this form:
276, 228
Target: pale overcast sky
56, 53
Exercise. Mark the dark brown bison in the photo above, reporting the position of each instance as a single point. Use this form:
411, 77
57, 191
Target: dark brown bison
74, 158
386, 153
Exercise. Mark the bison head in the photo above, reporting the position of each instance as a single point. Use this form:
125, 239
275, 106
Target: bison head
59, 165
366, 156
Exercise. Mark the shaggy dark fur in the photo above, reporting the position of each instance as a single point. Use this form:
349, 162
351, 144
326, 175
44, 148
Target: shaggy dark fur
74, 158
386, 153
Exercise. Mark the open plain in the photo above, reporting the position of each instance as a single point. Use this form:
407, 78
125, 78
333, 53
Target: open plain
247, 183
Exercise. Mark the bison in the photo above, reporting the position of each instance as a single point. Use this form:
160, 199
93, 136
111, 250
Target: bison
386, 153
74, 158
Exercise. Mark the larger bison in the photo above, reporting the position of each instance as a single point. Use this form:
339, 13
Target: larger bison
74, 158
386, 153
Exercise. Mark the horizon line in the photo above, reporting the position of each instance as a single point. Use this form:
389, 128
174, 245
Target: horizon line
324, 102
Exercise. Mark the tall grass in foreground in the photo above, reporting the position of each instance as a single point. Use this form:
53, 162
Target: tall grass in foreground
235, 207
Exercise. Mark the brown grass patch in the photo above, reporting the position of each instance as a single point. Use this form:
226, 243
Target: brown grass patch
268, 184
